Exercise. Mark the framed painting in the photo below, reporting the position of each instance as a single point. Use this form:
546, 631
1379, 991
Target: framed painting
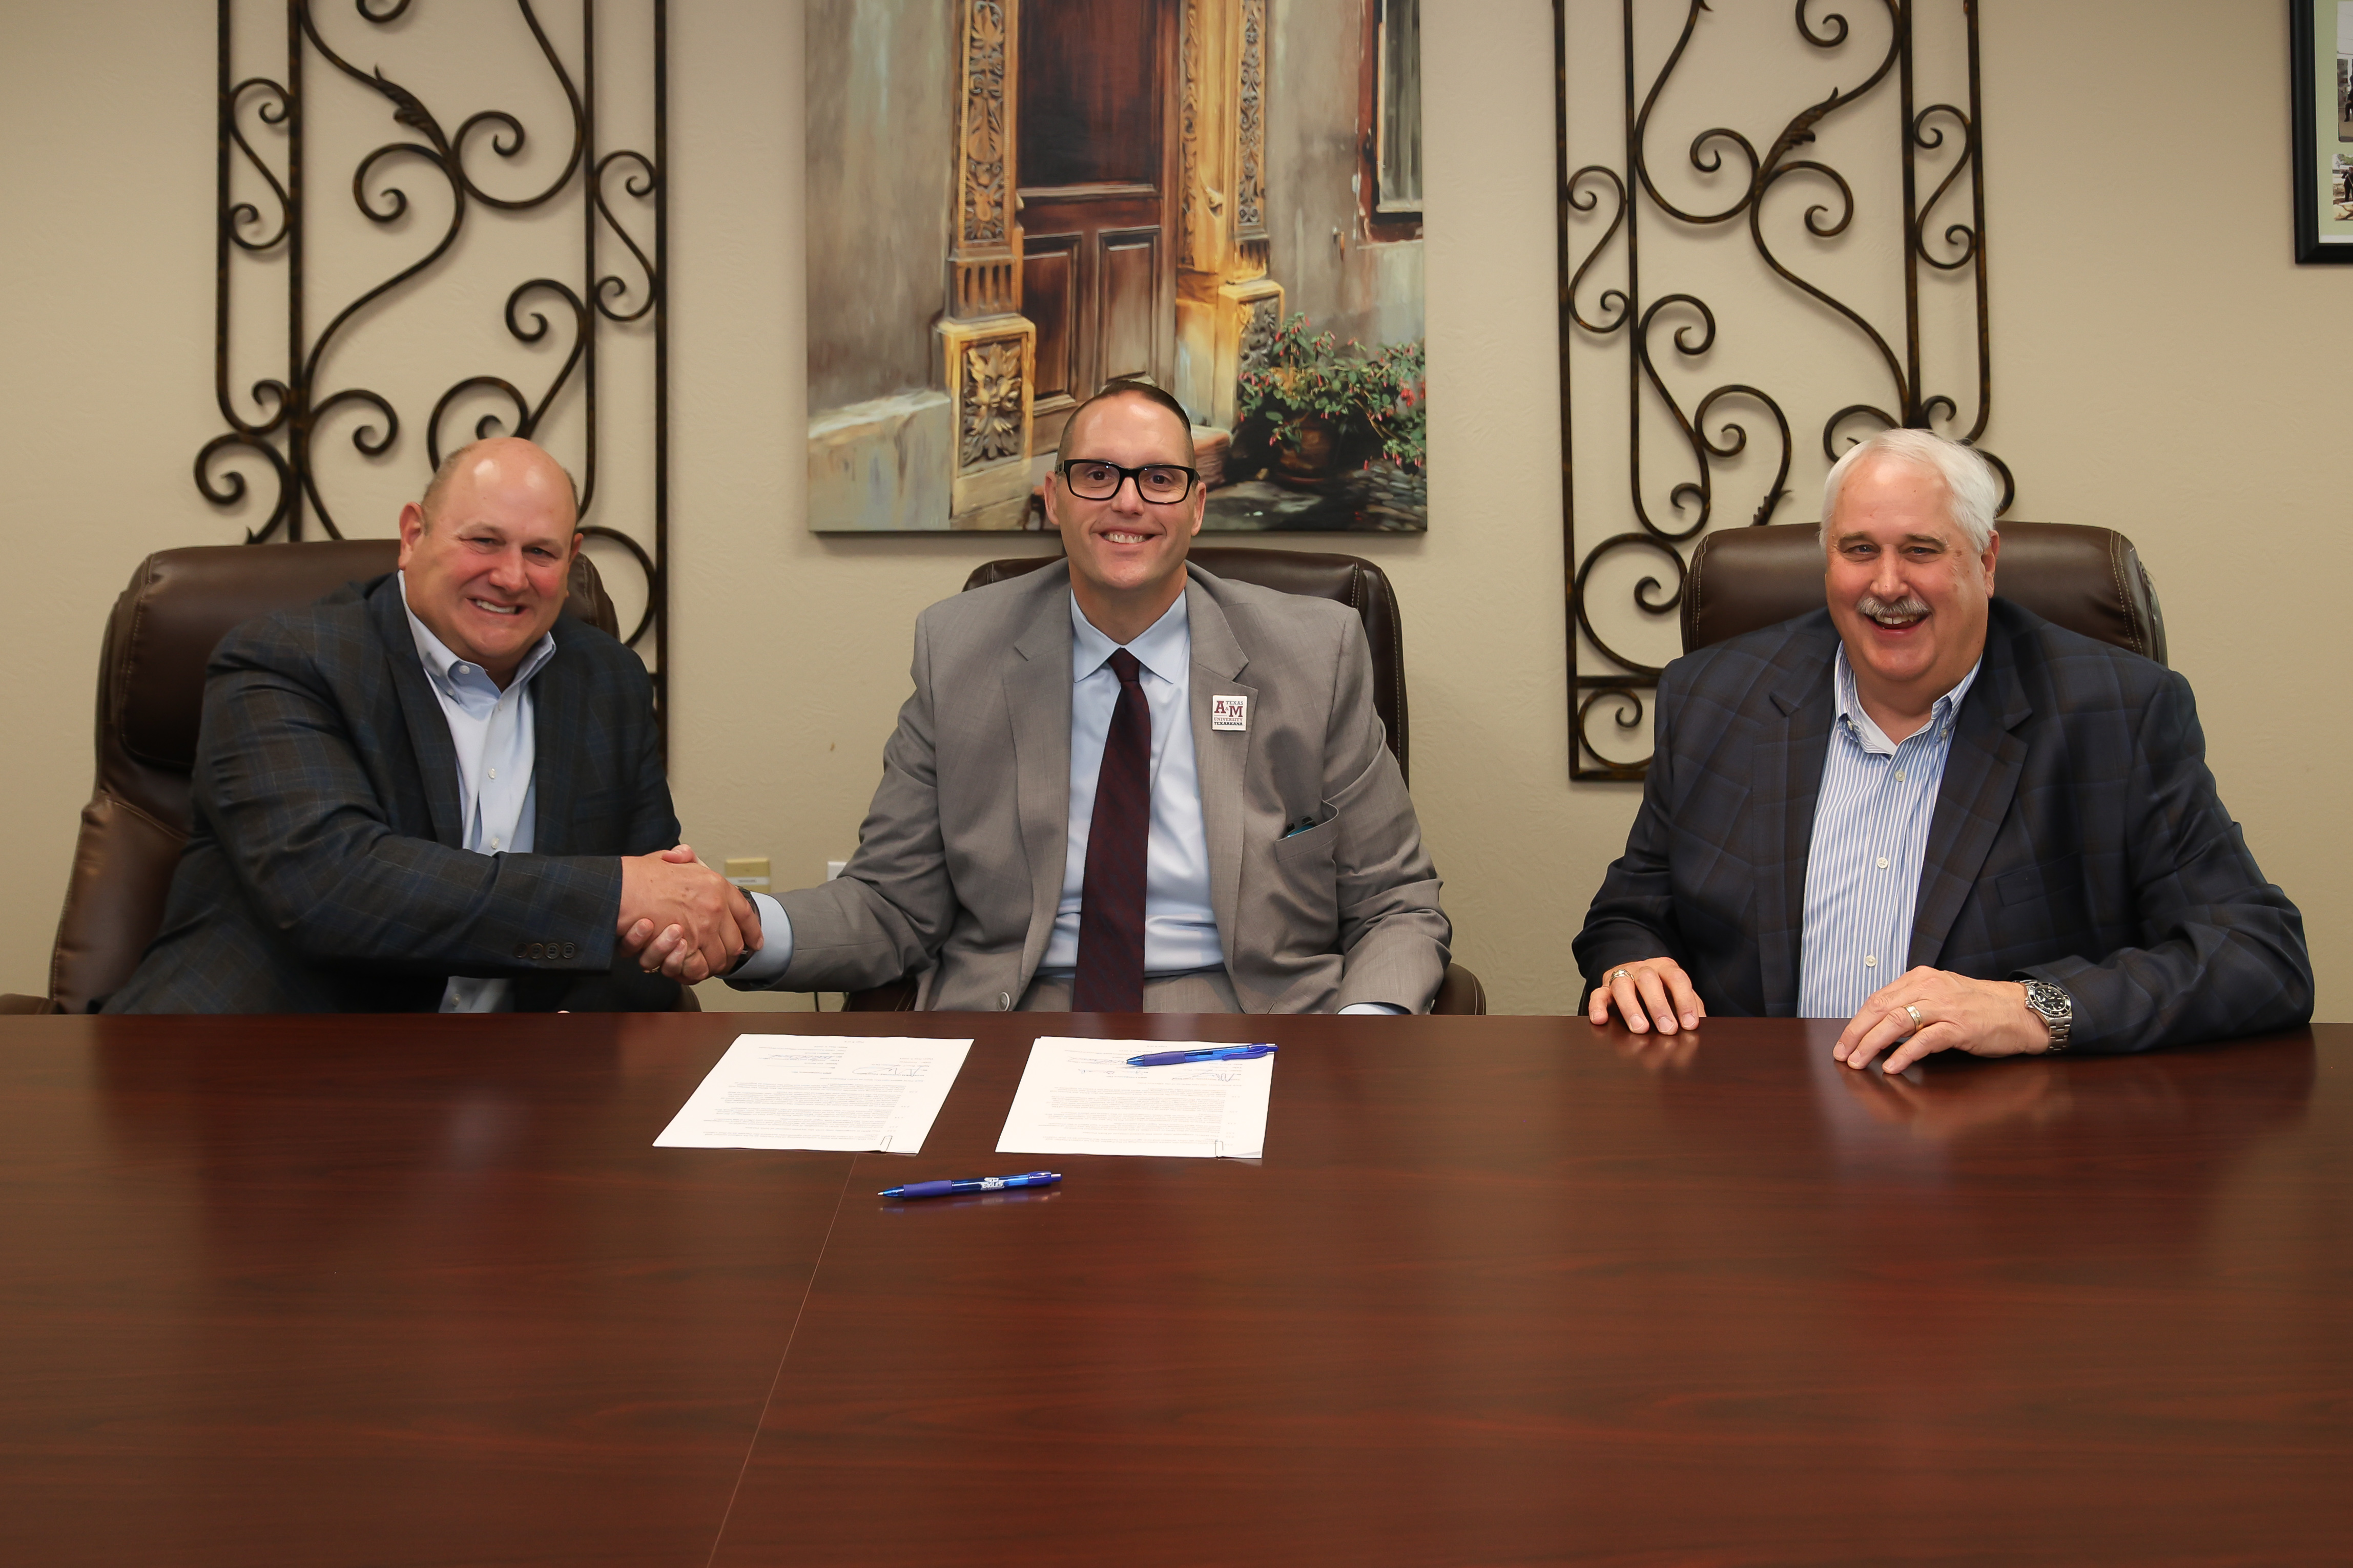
1011, 202
2320, 50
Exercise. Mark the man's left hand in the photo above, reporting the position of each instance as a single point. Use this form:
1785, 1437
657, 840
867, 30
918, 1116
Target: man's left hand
1934, 1010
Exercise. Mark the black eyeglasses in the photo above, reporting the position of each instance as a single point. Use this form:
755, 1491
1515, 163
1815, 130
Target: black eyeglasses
1164, 484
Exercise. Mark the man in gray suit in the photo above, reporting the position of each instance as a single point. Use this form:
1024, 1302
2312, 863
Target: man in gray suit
1124, 785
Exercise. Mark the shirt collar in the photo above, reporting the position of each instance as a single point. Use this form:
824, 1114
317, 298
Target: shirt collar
442, 665
1874, 739
1164, 647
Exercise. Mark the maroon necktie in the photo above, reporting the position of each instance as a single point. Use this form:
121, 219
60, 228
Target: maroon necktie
1110, 976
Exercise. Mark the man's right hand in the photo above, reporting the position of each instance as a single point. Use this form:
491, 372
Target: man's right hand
671, 892
1648, 992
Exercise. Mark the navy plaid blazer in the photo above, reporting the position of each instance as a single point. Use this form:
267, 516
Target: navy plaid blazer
324, 870
2077, 838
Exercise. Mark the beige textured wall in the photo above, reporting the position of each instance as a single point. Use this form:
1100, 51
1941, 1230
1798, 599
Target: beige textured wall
2160, 363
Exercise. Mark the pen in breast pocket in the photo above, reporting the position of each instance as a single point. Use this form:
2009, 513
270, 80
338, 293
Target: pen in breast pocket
1301, 826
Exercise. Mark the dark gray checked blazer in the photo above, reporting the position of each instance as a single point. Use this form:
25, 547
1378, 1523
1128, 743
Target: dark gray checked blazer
323, 871
2077, 838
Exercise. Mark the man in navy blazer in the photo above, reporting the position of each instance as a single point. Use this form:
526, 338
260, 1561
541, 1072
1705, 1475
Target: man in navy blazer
434, 790
1936, 816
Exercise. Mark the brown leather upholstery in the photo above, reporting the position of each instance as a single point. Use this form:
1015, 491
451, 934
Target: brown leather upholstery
150, 684
2089, 580
1345, 579
1349, 579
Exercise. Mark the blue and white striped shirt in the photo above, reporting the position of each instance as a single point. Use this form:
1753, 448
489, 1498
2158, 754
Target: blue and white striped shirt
1871, 837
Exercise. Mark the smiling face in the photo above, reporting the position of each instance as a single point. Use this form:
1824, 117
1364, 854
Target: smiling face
1127, 555
1906, 590
486, 571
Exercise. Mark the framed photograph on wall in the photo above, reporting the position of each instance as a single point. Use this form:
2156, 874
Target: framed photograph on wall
2320, 50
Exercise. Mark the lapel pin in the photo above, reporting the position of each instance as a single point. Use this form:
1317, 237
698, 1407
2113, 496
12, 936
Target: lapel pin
1230, 712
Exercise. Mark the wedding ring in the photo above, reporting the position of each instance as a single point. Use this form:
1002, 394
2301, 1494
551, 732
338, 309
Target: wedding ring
1621, 975
1916, 1020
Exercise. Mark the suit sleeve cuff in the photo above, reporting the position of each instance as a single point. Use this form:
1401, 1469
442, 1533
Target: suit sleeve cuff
766, 966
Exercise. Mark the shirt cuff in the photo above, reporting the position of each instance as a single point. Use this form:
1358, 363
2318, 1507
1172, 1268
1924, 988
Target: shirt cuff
766, 966
1370, 1007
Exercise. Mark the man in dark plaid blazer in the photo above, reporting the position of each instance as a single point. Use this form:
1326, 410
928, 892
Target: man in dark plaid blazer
338, 859
2063, 873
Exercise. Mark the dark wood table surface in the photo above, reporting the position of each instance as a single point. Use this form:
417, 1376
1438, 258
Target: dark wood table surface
420, 1291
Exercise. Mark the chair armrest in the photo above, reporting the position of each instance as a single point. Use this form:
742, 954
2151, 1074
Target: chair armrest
10, 1002
898, 997
1459, 991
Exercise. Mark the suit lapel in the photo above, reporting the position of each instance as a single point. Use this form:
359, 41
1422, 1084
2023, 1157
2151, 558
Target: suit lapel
1790, 775
1038, 705
559, 713
428, 728
1220, 757
1981, 776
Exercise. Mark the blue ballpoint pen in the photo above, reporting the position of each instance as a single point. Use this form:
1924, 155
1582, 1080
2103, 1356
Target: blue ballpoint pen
1209, 1053
976, 1184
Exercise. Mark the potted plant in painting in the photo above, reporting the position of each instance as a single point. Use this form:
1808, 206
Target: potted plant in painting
1318, 407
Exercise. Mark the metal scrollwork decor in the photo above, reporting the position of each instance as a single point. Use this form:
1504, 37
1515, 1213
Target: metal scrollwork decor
1616, 221
270, 146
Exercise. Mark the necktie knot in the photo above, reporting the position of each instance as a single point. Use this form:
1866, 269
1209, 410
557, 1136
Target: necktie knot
1127, 666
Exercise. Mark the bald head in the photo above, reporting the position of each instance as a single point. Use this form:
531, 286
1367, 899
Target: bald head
496, 458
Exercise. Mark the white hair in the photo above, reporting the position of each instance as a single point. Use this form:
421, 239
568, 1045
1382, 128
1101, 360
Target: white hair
1972, 489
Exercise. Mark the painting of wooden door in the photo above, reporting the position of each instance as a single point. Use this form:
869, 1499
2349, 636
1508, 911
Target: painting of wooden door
1095, 131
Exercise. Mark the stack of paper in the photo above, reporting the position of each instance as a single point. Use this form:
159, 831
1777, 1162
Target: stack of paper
818, 1091
1080, 1097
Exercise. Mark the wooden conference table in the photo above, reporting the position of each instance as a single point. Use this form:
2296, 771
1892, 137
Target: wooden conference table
408, 1291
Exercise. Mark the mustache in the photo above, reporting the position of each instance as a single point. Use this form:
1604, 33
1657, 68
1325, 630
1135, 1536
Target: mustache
1911, 604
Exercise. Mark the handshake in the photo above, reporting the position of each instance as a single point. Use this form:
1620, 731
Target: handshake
681, 918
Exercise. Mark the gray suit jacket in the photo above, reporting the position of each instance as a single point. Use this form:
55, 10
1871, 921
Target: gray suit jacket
960, 861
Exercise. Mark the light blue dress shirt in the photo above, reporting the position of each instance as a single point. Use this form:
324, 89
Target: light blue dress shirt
1180, 929
1180, 932
1870, 837
498, 799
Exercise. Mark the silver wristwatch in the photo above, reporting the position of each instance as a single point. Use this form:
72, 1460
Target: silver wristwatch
2055, 1007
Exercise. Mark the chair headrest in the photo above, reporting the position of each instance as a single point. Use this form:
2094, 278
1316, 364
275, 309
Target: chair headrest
180, 602
2087, 579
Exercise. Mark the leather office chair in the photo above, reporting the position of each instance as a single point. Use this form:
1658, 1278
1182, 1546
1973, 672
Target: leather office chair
1359, 583
151, 687
2089, 580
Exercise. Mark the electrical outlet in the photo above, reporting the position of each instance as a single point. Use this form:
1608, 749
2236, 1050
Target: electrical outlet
833, 869
751, 873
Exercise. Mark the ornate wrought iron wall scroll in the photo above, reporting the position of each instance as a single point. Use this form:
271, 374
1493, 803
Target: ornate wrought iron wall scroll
1608, 213
273, 147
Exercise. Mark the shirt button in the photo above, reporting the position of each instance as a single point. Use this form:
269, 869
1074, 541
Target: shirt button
1871, 960
1883, 862
494, 772
1899, 775
494, 844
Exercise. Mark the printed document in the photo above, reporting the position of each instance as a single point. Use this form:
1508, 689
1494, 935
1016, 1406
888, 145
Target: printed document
818, 1091
1080, 1097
